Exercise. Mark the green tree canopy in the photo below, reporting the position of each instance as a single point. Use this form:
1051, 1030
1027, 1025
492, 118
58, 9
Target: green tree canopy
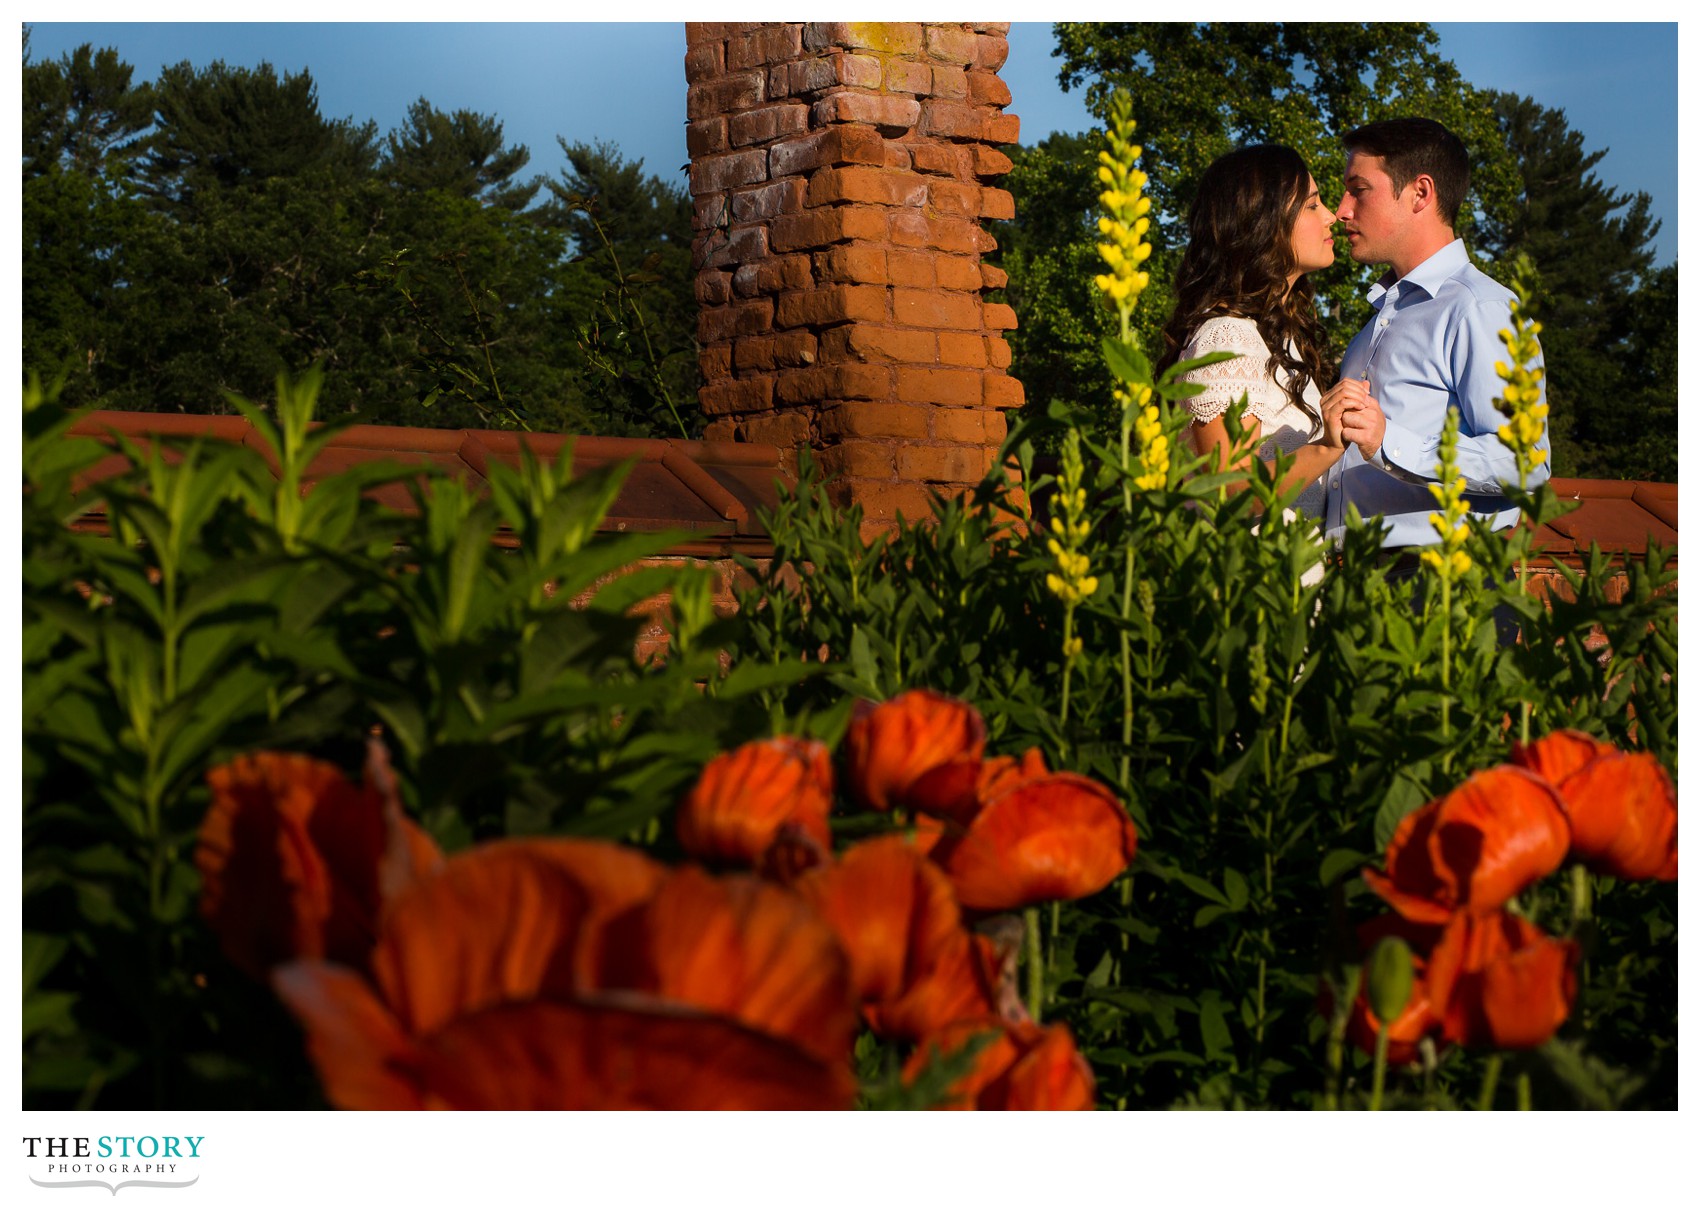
460, 153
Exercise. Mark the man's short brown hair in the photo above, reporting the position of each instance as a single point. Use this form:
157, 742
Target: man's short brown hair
1410, 147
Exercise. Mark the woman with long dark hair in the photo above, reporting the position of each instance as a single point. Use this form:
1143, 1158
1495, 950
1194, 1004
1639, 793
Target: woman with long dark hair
1257, 229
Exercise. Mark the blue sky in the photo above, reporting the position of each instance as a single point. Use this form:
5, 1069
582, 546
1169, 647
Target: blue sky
624, 82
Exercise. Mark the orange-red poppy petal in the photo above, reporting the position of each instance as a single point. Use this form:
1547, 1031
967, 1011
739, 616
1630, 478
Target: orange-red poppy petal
963, 984
363, 1056
741, 948
1059, 837
889, 746
1498, 981
487, 928
614, 1055
742, 798
1558, 755
893, 910
1622, 811
1049, 1075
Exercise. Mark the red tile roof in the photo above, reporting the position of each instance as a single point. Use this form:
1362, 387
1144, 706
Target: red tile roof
712, 489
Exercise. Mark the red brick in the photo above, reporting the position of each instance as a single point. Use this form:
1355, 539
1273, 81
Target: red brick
997, 204
859, 459
784, 430
737, 395
952, 464
713, 286
883, 111
840, 145
773, 275
723, 430
706, 136
886, 37
960, 424
951, 120
857, 71
751, 205
962, 349
910, 229
912, 267
713, 174
767, 123
884, 503
955, 198
936, 385
1004, 392
739, 320
769, 44
795, 349
869, 419
1003, 128
957, 273
863, 263
953, 44
831, 305
753, 353
997, 429
935, 308
990, 51
957, 235
818, 228
1000, 315
715, 361
879, 342
943, 158
904, 76
705, 31
998, 354
990, 162
992, 277
951, 83
984, 88
703, 60
735, 247
858, 183
846, 381
725, 94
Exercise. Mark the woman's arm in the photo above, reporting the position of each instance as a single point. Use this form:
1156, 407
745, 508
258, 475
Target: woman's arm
1311, 460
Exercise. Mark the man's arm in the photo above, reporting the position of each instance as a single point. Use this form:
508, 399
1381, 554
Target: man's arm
1485, 462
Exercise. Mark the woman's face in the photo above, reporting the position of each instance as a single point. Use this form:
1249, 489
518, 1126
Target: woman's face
1313, 236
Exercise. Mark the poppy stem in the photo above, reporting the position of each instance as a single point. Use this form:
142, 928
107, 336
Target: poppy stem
1581, 896
1490, 1083
1380, 1068
1035, 965
1525, 1101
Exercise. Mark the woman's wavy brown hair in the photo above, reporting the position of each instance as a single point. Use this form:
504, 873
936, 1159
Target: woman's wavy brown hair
1238, 255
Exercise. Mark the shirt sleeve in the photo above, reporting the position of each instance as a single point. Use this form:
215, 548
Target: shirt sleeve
1484, 461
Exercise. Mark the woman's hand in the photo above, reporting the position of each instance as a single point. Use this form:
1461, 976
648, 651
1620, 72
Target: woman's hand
1348, 395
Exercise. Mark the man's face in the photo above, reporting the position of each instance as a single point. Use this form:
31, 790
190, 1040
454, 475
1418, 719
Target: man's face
1374, 217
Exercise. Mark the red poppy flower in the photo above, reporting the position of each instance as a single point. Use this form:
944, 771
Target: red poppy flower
1036, 837
742, 798
892, 745
478, 1001
1405, 1033
1498, 981
965, 983
1622, 806
296, 861
1474, 848
1021, 1067
893, 910
741, 948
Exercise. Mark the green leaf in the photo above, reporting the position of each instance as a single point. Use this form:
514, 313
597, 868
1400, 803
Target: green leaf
1339, 862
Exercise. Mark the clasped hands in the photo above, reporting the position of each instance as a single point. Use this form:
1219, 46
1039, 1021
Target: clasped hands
1351, 417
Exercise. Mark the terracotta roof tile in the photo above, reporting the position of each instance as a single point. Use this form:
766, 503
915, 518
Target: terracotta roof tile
713, 489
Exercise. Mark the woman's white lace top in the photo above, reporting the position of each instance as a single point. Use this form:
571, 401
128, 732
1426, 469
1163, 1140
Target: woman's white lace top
1285, 426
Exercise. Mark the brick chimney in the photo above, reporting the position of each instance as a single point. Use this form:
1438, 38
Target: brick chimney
839, 172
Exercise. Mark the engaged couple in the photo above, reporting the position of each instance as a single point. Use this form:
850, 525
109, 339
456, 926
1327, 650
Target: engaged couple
1367, 436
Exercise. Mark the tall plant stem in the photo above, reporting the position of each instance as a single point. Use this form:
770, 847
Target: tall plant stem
1446, 671
1380, 1068
1035, 965
1525, 1098
1126, 313
1490, 1083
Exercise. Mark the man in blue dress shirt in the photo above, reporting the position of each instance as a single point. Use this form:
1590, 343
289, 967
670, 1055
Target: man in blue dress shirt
1432, 343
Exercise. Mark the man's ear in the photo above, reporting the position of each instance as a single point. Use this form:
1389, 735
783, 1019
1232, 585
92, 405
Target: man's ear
1422, 193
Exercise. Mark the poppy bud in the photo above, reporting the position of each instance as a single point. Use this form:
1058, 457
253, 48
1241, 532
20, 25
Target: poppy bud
1389, 976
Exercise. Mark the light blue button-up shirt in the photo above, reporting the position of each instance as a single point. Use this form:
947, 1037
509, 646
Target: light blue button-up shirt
1431, 345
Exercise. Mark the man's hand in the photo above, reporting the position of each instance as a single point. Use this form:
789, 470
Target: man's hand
1363, 425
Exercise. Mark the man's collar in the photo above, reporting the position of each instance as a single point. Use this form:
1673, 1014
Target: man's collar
1429, 275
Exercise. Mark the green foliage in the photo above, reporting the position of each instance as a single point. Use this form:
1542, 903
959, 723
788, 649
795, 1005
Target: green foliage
194, 235
224, 612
